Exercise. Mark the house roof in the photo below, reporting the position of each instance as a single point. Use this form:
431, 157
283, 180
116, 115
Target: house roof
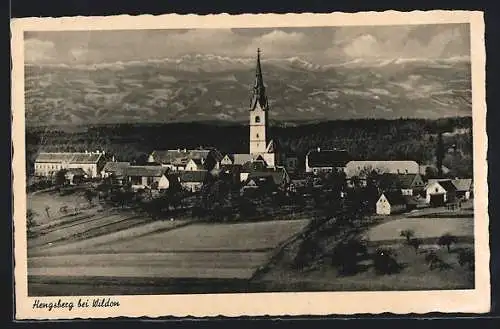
327, 158
394, 198
145, 171
241, 159
462, 184
251, 166
404, 181
68, 157
197, 176
278, 177
447, 184
115, 167
261, 181
184, 155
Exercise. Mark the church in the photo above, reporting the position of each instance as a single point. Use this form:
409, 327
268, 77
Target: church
260, 147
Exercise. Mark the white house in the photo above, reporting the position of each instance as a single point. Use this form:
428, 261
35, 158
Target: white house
147, 176
439, 192
48, 163
390, 203
464, 187
195, 164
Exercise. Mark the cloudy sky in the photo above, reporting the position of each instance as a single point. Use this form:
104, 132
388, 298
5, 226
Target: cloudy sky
320, 45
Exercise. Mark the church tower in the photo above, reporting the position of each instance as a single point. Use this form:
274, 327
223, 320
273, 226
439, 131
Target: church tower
259, 108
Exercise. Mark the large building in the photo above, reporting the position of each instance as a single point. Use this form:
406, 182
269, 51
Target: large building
48, 163
321, 161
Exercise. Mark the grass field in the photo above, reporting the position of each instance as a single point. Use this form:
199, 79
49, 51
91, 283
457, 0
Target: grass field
423, 228
205, 237
39, 201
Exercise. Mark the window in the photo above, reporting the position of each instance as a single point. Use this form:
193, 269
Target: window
437, 190
257, 119
257, 136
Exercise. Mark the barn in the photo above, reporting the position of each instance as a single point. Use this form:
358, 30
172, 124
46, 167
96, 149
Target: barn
440, 192
390, 203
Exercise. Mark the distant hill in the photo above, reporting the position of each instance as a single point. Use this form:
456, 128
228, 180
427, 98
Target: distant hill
212, 88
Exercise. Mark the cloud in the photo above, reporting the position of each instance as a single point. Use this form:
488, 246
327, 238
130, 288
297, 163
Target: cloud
38, 50
322, 46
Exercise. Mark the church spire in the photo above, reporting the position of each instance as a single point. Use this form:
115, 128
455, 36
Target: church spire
259, 90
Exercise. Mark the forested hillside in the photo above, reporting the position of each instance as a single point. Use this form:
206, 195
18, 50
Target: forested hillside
411, 139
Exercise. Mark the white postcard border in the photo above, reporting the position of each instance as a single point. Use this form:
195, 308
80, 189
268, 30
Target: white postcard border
259, 304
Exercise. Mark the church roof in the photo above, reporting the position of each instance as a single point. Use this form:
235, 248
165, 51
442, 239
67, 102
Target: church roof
328, 158
259, 90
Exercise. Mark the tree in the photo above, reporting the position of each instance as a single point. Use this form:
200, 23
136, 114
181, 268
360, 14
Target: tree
440, 154
47, 208
60, 178
384, 262
447, 240
466, 258
30, 221
432, 259
89, 196
415, 243
408, 234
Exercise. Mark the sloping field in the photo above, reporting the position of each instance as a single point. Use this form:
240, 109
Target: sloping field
87, 227
215, 237
163, 265
89, 245
423, 228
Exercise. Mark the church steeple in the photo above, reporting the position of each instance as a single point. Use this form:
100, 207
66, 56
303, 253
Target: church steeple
259, 90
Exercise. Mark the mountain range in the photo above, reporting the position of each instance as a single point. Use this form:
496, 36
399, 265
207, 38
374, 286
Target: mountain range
204, 87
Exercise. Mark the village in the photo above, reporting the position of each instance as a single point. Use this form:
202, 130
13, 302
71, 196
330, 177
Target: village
271, 196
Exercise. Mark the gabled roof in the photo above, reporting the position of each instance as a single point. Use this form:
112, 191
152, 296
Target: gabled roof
68, 157
404, 181
445, 183
252, 166
182, 156
462, 184
261, 181
197, 176
115, 167
278, 177
327, 158
145, 171
395, 198
240, 159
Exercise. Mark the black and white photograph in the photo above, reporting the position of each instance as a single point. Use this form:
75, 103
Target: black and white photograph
240, 160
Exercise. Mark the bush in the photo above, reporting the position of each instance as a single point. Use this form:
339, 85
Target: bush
346, 256
384, 262
447, 240
466, 258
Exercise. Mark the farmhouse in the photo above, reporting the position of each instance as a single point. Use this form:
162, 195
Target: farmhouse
390, 203
192, 180
326, 160
154, 177
439, 192
114, 169
48, 163
464, 187
279, 177
408, 184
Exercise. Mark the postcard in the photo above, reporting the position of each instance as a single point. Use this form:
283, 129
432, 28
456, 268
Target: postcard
250, 165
